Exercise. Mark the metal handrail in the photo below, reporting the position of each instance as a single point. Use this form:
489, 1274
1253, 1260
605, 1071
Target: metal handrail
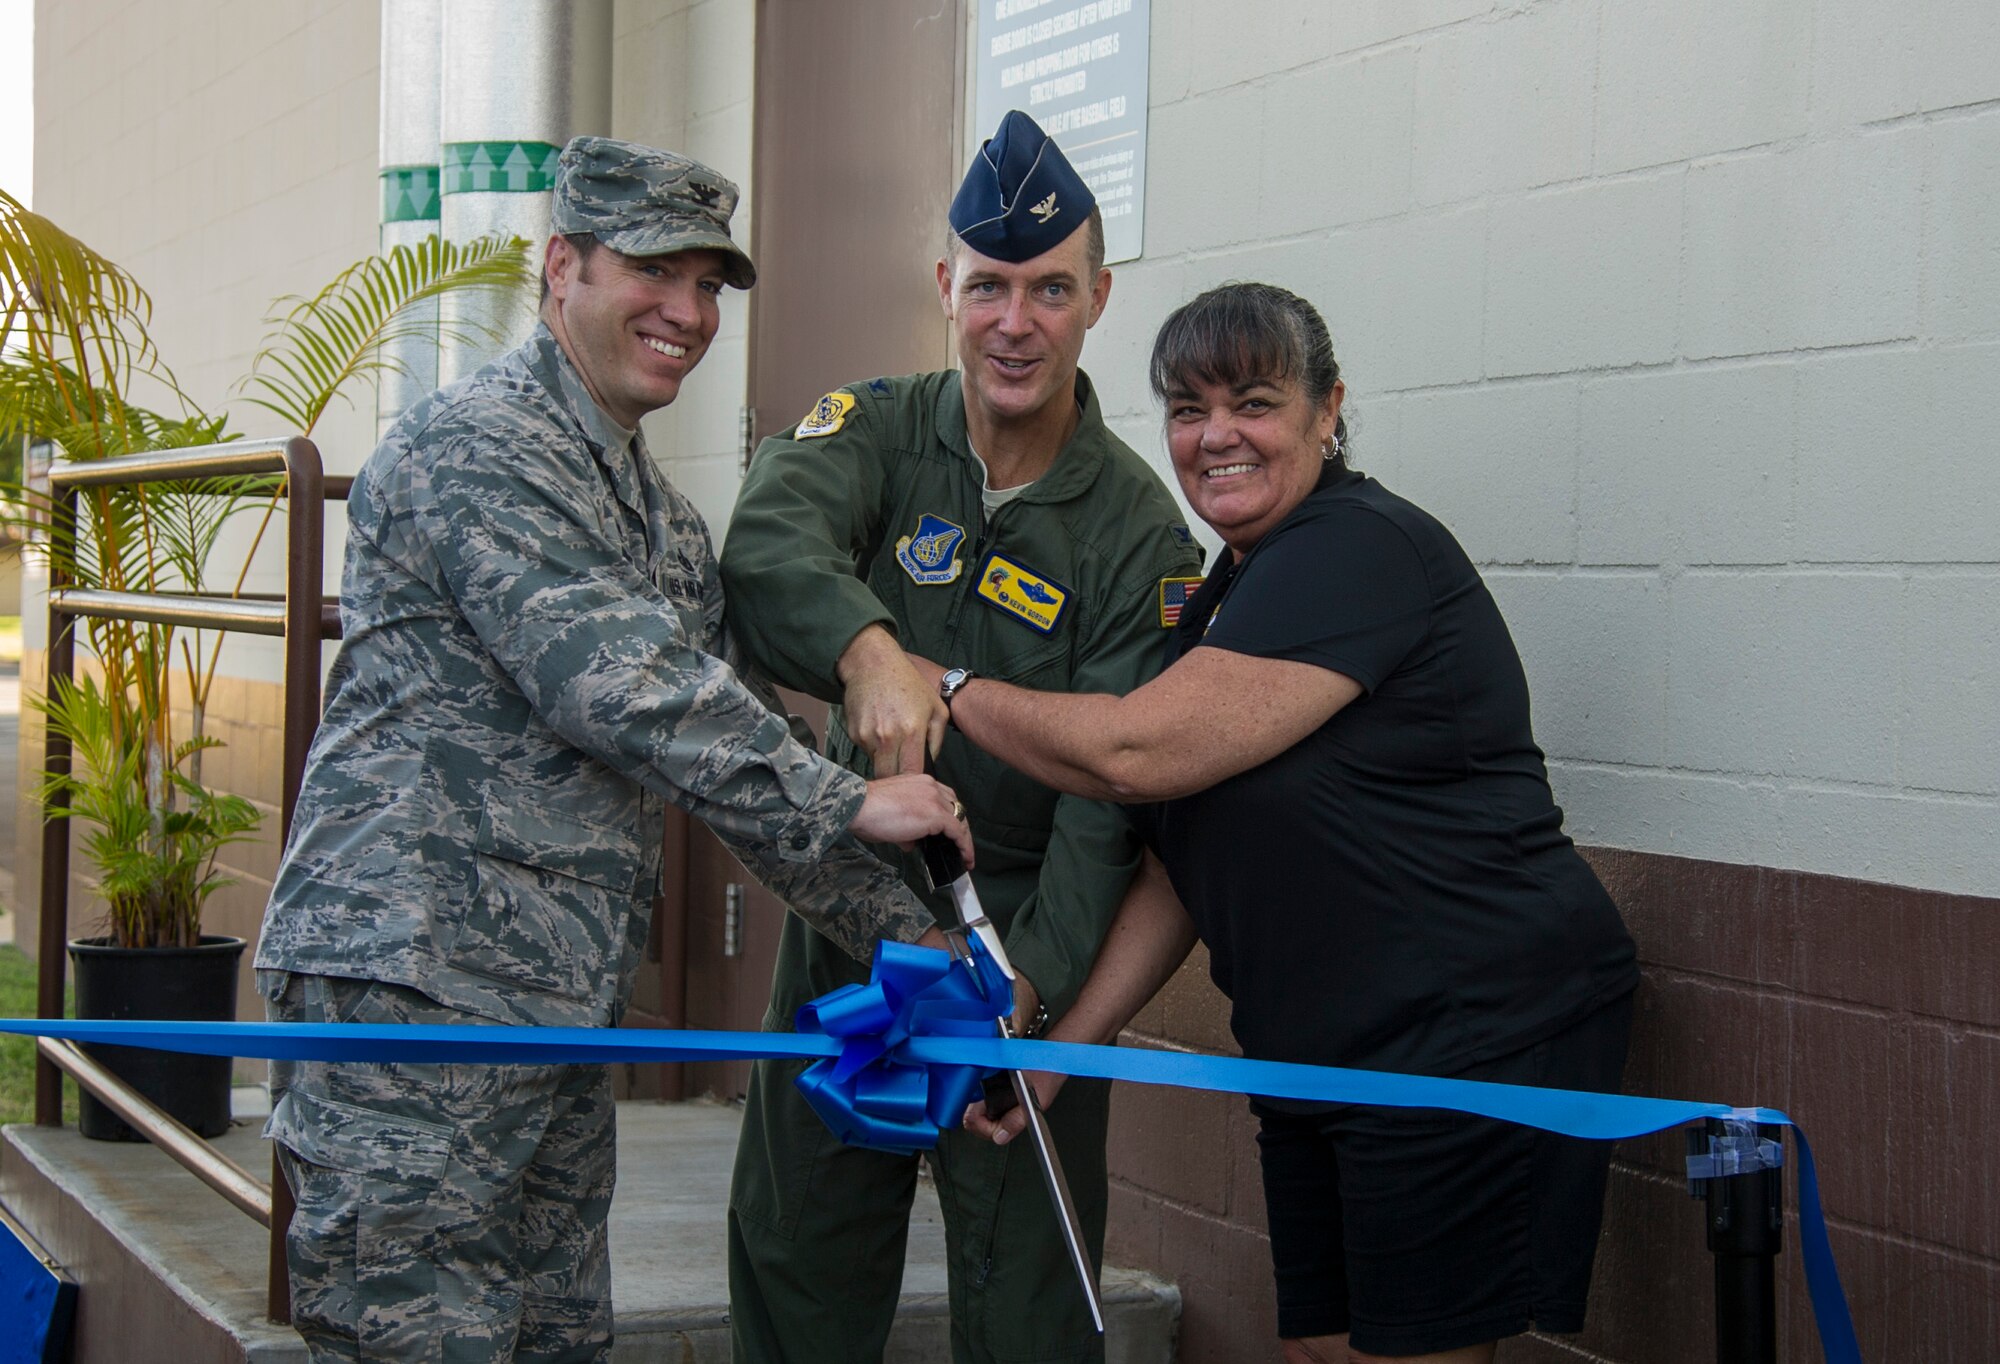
304, 619
165, 1131
160, 466
203, 611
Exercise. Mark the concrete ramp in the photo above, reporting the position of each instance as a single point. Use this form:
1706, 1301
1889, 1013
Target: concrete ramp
168, 1271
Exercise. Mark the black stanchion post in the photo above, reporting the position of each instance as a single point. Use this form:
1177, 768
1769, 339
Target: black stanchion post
1737, 1166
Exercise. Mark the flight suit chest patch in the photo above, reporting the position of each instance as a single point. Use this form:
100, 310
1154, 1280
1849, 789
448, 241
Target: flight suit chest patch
1034, 599
929, 554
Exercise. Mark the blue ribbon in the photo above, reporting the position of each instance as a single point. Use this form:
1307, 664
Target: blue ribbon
902, 1056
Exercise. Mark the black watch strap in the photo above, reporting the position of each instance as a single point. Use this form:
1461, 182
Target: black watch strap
952, 681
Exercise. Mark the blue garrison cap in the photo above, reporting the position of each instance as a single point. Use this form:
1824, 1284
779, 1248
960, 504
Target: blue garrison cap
1020, 196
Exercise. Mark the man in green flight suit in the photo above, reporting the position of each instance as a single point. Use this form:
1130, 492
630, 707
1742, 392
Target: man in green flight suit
987, 519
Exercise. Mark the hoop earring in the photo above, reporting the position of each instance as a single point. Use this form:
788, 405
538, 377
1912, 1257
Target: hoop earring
1330, 447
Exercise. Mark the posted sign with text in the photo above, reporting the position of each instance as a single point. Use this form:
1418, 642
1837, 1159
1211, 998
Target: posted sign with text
1079, 69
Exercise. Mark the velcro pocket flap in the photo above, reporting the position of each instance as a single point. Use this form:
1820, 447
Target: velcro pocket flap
551, 840
361, 1141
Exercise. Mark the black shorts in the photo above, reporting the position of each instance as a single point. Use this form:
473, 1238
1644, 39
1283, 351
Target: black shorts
1423, 1230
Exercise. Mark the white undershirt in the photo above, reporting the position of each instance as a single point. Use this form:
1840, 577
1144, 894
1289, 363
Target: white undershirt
992, 498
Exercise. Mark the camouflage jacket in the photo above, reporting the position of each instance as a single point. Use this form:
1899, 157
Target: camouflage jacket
869, 512
534, 663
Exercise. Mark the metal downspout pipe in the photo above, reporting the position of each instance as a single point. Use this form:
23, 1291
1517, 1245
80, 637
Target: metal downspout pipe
520, 78
412, 63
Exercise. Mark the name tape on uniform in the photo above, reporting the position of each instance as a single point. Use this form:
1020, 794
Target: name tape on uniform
1034, 600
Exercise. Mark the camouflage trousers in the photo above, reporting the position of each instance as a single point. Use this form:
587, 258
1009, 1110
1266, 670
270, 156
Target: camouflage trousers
445, 1213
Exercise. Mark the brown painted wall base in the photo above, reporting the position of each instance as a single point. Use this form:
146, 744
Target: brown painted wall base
1869, 1013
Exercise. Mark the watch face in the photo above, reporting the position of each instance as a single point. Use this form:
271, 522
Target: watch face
953, 679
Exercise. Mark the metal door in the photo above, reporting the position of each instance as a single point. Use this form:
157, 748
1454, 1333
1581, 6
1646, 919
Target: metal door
856, 148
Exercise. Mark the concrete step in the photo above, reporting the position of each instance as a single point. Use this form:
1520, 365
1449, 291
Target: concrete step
169, 1271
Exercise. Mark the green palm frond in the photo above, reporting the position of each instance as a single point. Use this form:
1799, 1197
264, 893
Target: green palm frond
74, 309
343, 332
151, 831
52, 400
188, 518
72, 340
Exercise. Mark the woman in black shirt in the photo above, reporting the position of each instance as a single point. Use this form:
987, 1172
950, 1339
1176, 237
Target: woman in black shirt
1337, 775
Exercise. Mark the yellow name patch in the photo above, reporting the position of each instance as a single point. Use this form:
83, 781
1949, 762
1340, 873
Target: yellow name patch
829, 414
1022, 593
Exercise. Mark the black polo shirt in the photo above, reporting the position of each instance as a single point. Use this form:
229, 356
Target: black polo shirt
1395, 891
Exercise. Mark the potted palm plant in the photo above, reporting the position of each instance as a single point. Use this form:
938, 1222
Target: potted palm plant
74, 349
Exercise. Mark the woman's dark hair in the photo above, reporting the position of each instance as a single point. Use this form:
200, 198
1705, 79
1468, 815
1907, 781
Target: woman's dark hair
1238, 334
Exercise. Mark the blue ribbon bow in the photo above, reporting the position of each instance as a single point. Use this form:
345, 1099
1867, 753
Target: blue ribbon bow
872, 1094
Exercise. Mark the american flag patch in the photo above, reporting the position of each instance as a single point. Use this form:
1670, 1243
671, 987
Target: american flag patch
1175, 593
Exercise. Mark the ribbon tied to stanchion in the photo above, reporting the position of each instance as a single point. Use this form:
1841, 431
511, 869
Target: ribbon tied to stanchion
899, 1058
871, 1094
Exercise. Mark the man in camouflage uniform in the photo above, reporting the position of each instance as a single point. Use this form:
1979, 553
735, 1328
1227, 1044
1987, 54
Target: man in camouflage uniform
534, 665
987, 519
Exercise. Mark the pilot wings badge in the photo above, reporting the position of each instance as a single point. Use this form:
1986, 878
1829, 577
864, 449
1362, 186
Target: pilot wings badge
929, 554
1034, 599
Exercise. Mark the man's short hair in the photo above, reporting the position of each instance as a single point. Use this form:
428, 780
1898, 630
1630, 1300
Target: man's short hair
1093, 252
585, 245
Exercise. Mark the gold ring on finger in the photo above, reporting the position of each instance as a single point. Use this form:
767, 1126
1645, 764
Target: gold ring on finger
958, 811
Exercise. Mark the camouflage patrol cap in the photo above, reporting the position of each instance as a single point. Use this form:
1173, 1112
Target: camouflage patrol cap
647, 202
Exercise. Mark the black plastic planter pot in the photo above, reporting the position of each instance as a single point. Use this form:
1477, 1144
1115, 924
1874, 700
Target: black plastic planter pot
196, 982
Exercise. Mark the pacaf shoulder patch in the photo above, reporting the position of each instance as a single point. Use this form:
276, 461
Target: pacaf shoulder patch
829, 414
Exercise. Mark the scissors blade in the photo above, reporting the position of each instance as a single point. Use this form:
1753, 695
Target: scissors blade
972, 916
1052, 1176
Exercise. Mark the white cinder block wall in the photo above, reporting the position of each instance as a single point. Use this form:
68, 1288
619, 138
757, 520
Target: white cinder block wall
225, 154
1686, 318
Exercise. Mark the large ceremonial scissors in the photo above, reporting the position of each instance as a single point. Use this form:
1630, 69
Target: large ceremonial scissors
947, 872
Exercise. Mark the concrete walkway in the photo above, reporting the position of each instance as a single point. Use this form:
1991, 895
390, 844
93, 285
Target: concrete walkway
170, 1271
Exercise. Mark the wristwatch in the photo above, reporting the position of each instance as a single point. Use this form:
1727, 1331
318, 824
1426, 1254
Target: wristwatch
953, 679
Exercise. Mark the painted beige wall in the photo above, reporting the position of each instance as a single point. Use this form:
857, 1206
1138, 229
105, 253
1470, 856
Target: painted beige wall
682, 76
226, 154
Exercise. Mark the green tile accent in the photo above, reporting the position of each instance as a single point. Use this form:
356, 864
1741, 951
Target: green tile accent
409, 194
500, 167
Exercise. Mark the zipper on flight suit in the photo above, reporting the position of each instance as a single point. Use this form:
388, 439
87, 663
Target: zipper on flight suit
970, 586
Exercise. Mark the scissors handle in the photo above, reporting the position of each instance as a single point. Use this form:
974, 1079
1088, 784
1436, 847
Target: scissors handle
942, 861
